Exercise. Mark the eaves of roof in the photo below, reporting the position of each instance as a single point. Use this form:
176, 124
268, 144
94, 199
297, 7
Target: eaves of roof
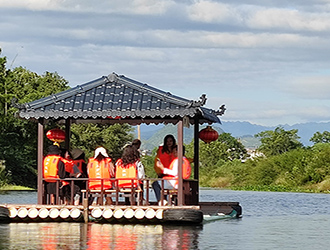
116, 98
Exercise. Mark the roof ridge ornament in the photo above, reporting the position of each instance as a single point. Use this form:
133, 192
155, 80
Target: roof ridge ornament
113, 77
15, 104
200, 103
221, 110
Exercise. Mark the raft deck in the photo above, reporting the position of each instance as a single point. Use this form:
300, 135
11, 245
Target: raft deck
151, 214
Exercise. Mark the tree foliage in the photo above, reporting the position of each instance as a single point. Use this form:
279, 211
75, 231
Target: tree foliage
319, 137
18, 138
278, 141
215, 154
112, 137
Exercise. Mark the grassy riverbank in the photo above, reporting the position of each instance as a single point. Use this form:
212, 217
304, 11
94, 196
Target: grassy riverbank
246, 188
15, 188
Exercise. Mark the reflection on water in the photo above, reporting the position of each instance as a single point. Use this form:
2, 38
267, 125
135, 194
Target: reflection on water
49, 236
270, 221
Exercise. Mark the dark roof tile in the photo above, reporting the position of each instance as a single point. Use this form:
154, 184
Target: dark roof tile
108, 98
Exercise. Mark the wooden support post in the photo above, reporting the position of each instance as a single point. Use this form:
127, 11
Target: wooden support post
67, 133
180, 161
40, 159
196, 157
85, 205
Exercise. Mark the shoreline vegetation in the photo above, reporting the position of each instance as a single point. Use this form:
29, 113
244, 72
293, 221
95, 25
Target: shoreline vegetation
224, 164
16, 188
258, 188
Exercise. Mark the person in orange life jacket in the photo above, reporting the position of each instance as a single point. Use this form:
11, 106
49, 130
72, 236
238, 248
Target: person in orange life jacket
130, 166
53, 167
100, 166
66, 188
79, 166
171, 173
164, 154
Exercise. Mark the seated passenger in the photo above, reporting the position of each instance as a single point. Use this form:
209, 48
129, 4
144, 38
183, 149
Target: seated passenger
79, 168
171, 175
101, 167
164, 154
53, 168
130, 167
66, 188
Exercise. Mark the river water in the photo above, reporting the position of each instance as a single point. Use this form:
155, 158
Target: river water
270, 221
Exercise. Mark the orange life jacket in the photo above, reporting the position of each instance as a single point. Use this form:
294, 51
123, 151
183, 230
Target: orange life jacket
68, 165
50, 168
73, 166
186, 171
165, 158
99, 169
78, 163
129, 171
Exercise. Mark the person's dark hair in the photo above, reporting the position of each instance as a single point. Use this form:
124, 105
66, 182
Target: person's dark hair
64, 151
77, 154
130, 155
165, 148
53, 149
136, 143
177, 148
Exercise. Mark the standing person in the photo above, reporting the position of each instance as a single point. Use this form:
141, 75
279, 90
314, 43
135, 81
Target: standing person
171, 174
101, 167
164, 154
129, 166
53, 167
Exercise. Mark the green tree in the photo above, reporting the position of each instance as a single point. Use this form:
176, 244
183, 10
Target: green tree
114, 137
278, 141
321, 137
18, 138
215, 154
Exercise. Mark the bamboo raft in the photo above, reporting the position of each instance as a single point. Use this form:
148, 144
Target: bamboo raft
208, 211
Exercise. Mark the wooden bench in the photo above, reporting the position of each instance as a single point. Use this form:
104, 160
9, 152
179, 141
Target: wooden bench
172, 196
135, 195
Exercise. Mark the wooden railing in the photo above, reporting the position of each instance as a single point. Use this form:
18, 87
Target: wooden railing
190, 190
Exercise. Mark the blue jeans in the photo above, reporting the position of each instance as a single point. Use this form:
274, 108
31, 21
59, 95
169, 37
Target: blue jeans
156, 185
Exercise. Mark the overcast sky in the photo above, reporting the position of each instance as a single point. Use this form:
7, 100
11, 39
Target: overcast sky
268, 61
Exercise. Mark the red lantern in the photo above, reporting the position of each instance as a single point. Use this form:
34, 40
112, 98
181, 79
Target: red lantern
56, 135
208, 134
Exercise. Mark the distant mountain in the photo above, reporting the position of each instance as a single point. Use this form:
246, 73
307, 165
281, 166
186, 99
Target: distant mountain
153, 135
305, 130
238, 129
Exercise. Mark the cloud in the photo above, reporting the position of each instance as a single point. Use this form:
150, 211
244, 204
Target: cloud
268, 60
31, 4
140, 7
289, 19
310, 87
211, 12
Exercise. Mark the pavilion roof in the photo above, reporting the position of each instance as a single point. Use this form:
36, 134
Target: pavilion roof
116, 98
